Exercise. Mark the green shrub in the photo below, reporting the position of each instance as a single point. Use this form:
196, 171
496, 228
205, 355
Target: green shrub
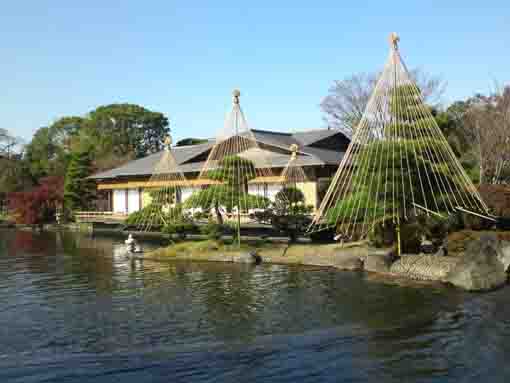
472, 222
411, 234
412, 231
289, 195
292, 225
181, 229
199, 215
383, 235
213, 230
292, 219
323, 236
136, 217
157, 217
263, 216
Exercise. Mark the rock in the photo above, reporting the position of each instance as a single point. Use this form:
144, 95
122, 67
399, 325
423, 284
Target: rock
424, 267
504, 257
442, 251
426, 246
344, 258
250, 257
351, 263
379, 261
481, 267
321, 260
256, 257
349, 257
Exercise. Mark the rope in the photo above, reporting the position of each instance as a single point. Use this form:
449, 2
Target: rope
398, 161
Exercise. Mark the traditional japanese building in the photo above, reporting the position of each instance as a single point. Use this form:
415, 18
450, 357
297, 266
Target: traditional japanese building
319, 154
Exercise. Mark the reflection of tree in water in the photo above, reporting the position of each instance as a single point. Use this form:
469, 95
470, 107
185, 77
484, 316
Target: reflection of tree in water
87, 258
32, 249
401, 321
230, 300
31, 242
381, 306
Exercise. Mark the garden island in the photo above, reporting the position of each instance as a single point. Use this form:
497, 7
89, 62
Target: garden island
391, 196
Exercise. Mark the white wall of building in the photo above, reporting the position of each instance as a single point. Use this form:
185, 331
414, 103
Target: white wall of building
256, 189
265, 190
133, 200
272, 190
133, 196
187, 192
119, 201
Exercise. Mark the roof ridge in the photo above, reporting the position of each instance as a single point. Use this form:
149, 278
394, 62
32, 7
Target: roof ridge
209, 141
317, 130
272, 132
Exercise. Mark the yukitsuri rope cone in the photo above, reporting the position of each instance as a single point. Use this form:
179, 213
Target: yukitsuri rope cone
163, 193
398, 165
234, 173
292, 175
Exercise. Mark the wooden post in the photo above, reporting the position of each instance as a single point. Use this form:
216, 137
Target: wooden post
399, 250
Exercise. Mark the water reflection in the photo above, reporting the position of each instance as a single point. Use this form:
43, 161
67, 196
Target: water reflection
69, 300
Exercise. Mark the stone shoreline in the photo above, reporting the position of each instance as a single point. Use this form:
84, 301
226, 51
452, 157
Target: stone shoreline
488, 274
478, 261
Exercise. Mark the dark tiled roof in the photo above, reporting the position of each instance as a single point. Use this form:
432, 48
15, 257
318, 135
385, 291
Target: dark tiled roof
309, 137
308, 156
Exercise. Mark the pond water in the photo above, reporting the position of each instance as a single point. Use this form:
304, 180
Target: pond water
74, 310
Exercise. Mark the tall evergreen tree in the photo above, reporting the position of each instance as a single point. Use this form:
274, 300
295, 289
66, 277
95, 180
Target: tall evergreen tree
78, 190
399, 164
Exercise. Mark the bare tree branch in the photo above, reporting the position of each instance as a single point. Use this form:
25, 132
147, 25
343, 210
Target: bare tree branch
9, 143
346, 100
487, 124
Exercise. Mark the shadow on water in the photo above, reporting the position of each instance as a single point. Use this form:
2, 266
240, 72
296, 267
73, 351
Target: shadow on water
73, 310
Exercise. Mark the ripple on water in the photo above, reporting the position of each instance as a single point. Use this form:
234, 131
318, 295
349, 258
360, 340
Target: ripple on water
70, 310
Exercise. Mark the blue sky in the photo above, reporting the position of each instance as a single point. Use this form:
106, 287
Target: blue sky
183, 58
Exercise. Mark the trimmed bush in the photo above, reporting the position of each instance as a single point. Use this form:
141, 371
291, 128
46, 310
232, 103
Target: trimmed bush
292, 225
289, 195
159, 219
182, 229
213, 230
323, 236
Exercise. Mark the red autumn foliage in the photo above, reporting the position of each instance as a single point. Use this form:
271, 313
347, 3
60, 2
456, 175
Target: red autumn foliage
39, 204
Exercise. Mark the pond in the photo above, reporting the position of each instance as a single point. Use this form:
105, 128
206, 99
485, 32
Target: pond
72, 309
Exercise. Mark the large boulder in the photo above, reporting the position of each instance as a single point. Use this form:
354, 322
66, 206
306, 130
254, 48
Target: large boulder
504, 255
350, 257
481, 268
247, 257
424, 267
379, 261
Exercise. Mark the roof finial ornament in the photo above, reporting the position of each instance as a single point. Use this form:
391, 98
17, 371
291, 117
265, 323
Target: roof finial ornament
168, 142
235, 96
293, 148
394, 40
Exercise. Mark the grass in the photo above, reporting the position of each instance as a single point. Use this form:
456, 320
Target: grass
203, 249
213, 250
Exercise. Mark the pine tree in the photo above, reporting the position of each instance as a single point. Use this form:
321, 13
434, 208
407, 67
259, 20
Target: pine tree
78, 190
398, 165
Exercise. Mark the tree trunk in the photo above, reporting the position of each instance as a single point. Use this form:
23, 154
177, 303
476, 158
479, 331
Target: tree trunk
219, 217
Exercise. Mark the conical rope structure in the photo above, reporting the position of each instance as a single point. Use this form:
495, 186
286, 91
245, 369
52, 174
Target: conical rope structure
292, 176
234, 173
398, 165
162, 194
